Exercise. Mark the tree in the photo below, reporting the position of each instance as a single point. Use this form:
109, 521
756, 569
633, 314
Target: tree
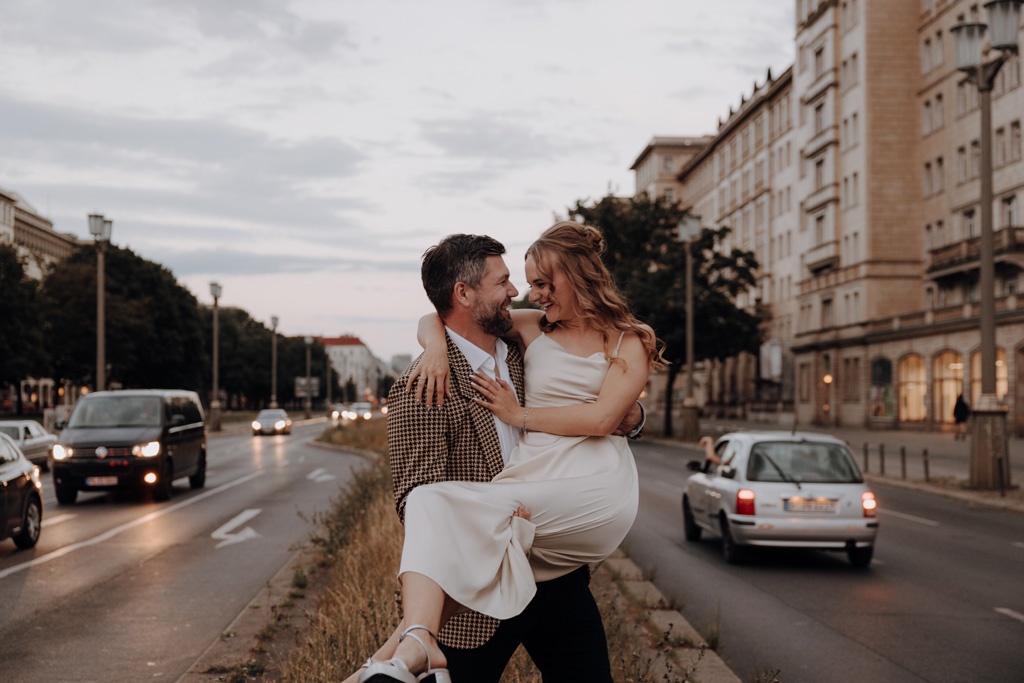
154, 332
648, 261
22, 351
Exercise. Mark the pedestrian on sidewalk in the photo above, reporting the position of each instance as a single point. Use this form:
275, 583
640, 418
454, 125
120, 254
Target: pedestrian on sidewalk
961, 412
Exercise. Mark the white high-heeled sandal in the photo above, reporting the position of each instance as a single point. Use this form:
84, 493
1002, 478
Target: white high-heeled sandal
430, 675
395, 669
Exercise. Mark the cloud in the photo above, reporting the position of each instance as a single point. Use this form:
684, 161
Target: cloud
483, 136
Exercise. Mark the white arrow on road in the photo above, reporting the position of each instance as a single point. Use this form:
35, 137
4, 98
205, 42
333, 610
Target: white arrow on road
224, 535
319, 475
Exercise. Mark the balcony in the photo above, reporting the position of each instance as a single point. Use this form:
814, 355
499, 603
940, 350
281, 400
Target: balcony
963, 256
822, 257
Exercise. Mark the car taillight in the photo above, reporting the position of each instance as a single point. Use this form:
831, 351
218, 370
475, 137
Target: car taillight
869, 504
744, 502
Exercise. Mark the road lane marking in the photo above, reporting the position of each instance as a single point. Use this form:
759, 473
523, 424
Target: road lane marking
50, 521
116, 531
910, 518
1006, 612
224, 535
319, 475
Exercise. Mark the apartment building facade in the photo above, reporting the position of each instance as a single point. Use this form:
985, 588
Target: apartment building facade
854, 178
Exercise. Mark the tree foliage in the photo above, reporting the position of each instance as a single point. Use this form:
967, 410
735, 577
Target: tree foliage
153, 332
648, 263
22, 351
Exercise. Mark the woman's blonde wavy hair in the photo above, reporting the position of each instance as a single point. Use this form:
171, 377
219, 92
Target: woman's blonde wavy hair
576, 250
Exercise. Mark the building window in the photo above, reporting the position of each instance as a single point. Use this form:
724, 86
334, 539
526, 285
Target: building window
1009, 211
912, 389
1002, 378
819, 62
819, 118
938, 113
975, 161
947, 384
940, 175
882, 401
961, 163
1015, 141
819, 174
926, 179
1000, 150
827, 316
819, 229
940, 233
668, 164
968, 227
926, 55
926, 117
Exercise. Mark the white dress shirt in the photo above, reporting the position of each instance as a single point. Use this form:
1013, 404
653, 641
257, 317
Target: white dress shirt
483, 362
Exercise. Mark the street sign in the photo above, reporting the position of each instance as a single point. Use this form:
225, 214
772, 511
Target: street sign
300, 387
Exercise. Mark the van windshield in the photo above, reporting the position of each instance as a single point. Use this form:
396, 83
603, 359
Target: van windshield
116, 411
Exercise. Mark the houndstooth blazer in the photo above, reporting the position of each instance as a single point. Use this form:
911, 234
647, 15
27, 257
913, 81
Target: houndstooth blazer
457, 441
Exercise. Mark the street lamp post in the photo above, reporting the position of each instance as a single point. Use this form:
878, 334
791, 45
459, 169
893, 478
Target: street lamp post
273, 362
307, 403
989, 448
689, 228
215, 290
100, 228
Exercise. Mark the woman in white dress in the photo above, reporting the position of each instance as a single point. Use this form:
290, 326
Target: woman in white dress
569, 493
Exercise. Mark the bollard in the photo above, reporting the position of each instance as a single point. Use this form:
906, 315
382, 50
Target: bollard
924, 455
903, 462
865, 457
881, 459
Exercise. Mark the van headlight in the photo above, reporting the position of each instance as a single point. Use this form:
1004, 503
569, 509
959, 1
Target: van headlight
60, 452
147, 450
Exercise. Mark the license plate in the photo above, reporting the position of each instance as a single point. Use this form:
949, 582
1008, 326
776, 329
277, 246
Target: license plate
101, 481
810, 505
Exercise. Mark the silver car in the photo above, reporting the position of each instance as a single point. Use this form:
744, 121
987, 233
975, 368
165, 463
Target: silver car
781, 489
34, 441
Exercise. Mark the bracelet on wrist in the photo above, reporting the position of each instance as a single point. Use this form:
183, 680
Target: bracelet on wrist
525, 414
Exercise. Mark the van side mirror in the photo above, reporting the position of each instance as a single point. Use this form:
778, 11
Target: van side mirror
727, 472
60, 424
694, 466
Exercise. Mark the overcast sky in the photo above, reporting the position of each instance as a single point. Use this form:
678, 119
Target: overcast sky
304, 153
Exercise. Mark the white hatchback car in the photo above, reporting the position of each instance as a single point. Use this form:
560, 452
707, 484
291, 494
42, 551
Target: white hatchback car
781, 489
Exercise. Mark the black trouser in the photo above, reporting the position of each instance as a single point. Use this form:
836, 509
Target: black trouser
561, 630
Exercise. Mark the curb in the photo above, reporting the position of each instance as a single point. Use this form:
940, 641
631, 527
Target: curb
684, 645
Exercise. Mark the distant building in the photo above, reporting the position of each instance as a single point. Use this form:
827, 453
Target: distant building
657, 168
353, 361
854, 177
32, 235
399, 363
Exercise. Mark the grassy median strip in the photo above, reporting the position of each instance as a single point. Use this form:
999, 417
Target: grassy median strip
360, 541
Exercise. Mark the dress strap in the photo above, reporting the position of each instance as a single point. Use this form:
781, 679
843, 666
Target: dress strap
615, 353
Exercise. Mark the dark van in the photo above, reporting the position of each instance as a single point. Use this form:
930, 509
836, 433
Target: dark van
137, 439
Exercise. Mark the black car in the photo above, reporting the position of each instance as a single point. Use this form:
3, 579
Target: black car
21, 496
138, 439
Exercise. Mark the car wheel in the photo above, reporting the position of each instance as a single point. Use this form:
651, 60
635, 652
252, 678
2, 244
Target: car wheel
31, 524
163, 488
861, 557
198, 479
690, 528
66, 495
732, 553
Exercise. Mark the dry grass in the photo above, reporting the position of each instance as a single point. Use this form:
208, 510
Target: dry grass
360, 542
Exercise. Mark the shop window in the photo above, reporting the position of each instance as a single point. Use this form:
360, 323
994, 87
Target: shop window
947, 384
912, 389
883, 398
1002, 378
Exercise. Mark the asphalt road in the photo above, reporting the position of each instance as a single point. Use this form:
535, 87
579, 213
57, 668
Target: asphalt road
943, 600
121, 588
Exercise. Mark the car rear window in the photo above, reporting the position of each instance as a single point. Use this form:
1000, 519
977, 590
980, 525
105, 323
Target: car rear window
802, 461
9, 430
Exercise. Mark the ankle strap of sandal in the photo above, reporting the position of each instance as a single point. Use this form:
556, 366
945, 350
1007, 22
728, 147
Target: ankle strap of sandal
409, 633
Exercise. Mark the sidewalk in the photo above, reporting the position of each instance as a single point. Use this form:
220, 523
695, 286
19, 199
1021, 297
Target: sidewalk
948, 460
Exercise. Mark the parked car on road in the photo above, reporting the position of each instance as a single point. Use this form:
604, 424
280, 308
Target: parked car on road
34, 442
781, 489
271, 421
135, 439
21, 496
